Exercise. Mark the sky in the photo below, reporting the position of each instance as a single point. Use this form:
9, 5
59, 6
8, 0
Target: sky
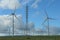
36, 15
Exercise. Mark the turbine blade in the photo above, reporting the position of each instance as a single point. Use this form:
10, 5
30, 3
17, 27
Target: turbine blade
45, 12
16, 17
44, 21
52, 19
9, 15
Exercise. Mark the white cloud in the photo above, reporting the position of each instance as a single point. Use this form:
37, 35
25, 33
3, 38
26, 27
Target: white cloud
53, 30
25, 2
9, 4
35, 4
6, 23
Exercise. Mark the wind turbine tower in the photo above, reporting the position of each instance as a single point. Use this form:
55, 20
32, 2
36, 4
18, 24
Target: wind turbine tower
26, 18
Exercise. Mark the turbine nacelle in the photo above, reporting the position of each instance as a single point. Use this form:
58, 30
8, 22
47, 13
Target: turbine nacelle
13, 14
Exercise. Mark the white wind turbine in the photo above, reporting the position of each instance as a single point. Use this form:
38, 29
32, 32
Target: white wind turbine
47, 20
13, 15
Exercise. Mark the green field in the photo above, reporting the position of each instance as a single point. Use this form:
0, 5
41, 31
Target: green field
30, 38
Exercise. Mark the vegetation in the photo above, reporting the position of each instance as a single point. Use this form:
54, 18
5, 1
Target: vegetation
30, 38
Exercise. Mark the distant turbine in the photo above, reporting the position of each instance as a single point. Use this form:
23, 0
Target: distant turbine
47, 19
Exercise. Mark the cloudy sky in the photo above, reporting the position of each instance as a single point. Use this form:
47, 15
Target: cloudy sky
36, 16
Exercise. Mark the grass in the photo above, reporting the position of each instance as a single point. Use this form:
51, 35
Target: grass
30, 38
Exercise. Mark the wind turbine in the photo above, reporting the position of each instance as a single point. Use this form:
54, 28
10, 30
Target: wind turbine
48, 20
13, 15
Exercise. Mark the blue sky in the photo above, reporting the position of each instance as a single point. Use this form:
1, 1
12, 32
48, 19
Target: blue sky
36, 10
